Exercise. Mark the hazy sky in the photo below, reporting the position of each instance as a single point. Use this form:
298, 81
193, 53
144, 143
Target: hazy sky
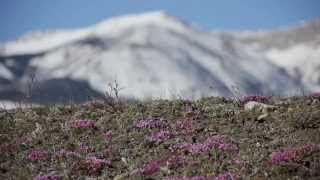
20, 16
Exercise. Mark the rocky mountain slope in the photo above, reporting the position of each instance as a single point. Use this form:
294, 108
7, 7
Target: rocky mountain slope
158, 55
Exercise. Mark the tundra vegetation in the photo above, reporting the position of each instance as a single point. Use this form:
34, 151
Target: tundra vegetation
210, 138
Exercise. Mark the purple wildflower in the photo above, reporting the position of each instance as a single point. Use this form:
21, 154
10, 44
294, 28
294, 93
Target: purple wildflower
37, 154
198, 178
66, 153
292, 154
308, 148
185, 126
86, 149
83, 123
151, 167
212, 142
226, 176
220, 143
47, 177
161, 136
94, 164
237, 161
149, 123
283, 156
186, 178
108, 135
194, 148
175, 161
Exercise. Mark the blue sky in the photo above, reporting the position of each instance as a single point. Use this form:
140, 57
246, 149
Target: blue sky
18, 17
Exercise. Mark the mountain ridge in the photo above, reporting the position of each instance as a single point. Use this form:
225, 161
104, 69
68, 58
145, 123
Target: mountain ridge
154, 55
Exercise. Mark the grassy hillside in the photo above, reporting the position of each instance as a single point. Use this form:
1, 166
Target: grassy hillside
212, 138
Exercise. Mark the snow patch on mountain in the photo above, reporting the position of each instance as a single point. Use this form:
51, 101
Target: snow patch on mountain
301, 61
5, 73
42, 41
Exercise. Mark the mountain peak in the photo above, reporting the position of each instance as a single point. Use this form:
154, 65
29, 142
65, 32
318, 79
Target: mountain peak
44, 40
160, 18
144, 17
156, 15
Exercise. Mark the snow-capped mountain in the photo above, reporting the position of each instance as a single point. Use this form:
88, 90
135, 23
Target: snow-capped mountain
158, 55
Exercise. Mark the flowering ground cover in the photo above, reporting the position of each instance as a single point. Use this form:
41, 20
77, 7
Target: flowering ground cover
209, 139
